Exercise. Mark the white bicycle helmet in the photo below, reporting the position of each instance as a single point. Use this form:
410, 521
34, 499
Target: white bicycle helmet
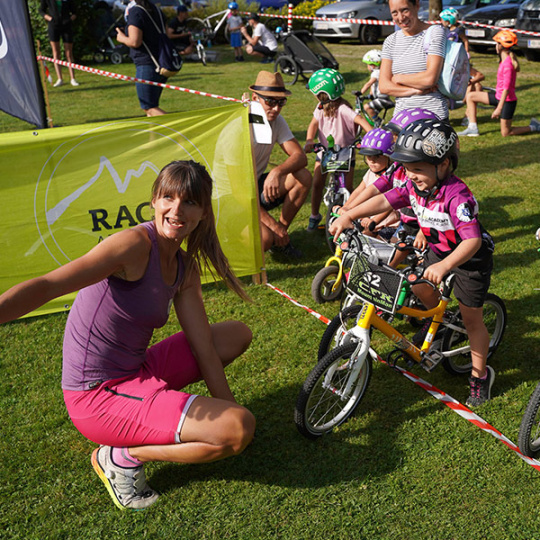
373, 57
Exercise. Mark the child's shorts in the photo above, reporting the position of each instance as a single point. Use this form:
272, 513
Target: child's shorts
142, 409
509, 107
470, 286
236, 39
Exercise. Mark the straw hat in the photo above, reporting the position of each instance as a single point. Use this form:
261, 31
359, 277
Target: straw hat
270, 85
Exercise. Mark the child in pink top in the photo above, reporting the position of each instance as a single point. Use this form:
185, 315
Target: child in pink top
504, 98
333, 116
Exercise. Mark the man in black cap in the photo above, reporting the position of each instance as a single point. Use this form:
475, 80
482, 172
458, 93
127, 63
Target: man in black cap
261, 42
178, 32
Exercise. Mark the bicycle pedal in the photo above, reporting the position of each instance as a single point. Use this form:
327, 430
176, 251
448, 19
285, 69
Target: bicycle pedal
431, 360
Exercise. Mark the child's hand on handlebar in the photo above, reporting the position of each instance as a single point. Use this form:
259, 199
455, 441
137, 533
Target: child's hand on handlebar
420, 241
367, 224
340, 224
308, 147
436, 272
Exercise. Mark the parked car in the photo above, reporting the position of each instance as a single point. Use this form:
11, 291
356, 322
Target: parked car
463, 6
355, 9
503, 14
528, 18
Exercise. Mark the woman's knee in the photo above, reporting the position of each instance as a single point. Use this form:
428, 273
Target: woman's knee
238, 430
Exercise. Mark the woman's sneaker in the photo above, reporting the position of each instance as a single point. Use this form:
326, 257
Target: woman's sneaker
481, 388
127, 487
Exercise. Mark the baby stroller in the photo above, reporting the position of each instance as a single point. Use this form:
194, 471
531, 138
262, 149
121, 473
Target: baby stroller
302, 55
105, 31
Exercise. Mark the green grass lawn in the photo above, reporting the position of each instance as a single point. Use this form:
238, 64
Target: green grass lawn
405, 466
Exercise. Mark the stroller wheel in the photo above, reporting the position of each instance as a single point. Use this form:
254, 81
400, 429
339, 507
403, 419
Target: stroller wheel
288, 68
116, 57
99, 58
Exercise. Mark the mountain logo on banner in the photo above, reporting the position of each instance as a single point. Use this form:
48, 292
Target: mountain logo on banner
100, 182
3, 42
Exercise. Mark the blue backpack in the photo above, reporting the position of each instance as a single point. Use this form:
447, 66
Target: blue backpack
456, 71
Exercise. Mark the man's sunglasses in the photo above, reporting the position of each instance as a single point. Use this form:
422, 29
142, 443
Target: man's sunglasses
272, 102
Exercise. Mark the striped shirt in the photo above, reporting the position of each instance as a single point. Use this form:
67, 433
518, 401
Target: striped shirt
408, 55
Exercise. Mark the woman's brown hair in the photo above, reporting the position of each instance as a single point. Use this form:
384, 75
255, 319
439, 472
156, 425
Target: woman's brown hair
190, 181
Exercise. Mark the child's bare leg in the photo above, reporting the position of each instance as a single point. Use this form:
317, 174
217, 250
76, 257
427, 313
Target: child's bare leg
473, 319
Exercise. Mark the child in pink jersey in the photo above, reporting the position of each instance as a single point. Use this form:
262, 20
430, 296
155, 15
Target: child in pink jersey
447, 213
504, 98
333, 117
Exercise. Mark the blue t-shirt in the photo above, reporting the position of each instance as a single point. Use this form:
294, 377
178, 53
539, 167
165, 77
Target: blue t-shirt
140, 17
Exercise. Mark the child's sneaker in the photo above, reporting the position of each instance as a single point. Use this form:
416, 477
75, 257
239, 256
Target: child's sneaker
314, 223
74, 82
58, 83
470, 132
127, 487
534, 125
481, 388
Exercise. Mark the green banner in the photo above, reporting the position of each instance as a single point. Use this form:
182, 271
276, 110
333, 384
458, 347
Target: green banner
65, 189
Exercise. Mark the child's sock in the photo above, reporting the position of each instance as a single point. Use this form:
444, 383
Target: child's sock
473, 125
484, 377
122, 458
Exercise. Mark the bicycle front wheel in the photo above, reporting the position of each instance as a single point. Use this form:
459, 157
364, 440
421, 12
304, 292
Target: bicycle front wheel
456, 347
322, 403
335, 331
529, 431
323, 286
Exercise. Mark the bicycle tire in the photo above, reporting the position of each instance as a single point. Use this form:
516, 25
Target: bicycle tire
197, 26
322, 284
334, 332
529, 430
453, 340
288, 68
319, 407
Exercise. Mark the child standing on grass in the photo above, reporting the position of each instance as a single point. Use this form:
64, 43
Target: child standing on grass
378, 101
333, 116
376, 147
448, 215
449, 19
234, 24
504, 98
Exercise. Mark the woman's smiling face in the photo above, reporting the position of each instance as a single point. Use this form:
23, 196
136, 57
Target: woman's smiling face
404, 14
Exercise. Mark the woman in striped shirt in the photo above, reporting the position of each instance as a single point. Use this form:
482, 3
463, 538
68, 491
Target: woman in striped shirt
412, 60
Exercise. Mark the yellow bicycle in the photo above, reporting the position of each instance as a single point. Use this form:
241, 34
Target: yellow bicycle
334, 388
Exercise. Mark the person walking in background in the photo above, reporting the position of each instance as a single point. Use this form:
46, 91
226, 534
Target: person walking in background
60, 15
504, 98
412, 60
235, 25
141, 31
262, 42
122, 393
178, 32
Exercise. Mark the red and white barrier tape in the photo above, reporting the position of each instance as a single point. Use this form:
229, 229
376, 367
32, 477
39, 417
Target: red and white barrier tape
443, 397
135, 79
390, 23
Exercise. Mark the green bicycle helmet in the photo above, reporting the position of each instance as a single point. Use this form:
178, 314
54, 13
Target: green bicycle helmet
329, 81
372, 57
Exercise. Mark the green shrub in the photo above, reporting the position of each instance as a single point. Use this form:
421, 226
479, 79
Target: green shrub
303, 9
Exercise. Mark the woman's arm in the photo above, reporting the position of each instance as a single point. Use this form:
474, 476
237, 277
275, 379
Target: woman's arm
133, 39
189, 307
387, 84
423, 80
124, 254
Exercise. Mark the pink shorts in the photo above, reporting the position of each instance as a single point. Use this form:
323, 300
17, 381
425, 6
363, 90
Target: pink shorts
141, 409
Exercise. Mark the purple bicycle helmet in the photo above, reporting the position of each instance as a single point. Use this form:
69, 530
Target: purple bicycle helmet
376, 142
403, 118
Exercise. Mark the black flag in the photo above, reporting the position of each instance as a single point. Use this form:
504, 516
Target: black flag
21, 93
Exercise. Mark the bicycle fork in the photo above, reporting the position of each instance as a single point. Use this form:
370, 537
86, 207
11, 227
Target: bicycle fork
357, 360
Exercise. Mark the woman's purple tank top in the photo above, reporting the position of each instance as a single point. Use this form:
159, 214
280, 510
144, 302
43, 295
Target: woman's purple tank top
111, 323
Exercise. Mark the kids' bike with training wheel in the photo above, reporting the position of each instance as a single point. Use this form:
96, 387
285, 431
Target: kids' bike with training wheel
336, 385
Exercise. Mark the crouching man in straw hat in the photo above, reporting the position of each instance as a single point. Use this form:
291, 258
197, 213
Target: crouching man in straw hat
286, 185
